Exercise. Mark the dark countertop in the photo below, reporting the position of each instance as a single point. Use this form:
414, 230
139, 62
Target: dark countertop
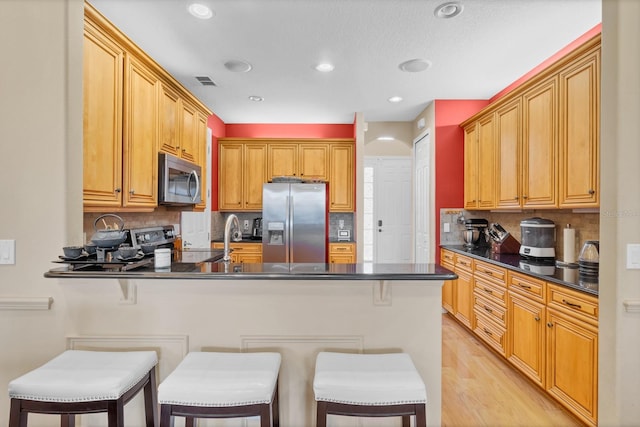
206, 264
250, 240
550, 272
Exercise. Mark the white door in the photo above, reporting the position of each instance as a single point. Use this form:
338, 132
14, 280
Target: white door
387, 210
422, 197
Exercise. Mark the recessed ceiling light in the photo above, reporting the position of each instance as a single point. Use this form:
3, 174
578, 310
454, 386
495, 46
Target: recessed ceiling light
325, 67
385, 138
200, 11
395, 99
256, 98
448, 10
238, 66
415, 65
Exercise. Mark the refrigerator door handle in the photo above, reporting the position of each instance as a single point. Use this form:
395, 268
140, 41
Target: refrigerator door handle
288, 230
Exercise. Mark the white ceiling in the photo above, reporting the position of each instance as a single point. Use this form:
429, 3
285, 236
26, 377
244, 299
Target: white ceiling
474, 55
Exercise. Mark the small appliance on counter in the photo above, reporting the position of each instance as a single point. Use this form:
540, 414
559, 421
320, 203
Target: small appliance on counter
502, 242
538, 238
474, 233
256, 234
589, 259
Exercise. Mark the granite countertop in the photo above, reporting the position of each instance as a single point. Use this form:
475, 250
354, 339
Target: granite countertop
207, 264
566, 276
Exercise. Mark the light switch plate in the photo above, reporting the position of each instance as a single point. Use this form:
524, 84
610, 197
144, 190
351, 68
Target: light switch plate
7, 251
633, 256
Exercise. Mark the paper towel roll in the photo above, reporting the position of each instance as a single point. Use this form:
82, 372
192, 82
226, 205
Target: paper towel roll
569, 245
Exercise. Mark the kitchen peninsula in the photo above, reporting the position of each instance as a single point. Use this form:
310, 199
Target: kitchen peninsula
295, 309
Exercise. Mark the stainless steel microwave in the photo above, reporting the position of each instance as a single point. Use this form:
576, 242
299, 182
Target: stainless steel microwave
178, 181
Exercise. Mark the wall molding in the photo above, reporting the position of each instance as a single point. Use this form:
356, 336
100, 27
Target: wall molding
631, 306
25, 303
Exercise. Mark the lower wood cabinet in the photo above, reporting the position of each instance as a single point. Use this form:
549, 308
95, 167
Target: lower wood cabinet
342, 253
547, 331
248, 253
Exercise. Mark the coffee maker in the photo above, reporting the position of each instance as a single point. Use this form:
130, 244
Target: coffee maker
475, 233
256, 233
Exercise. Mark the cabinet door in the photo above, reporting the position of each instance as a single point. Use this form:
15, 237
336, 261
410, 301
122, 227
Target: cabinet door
447, 261
141, 137
342, 253
508, 150
526, 342
282, 160
189, 145
471, 167
169, 126
203, 154
230, 169
103, 76
341, 178
540, 146
486, 164
313, 161
463, 298
579, 134
572, 364
255, 175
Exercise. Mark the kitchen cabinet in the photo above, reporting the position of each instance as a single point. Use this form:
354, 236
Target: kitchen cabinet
447, 260
140, 181
546, 140
132, 109
527, 335
342, 253
489, 305
341, 177
103, 79
579, 157
204, 150
304, 160
242, 172
463, 291
572, 351
247, 253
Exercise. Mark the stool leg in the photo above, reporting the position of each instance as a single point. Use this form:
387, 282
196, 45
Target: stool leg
115, 413
265, 415
321, 414
421, 415
165, 415
17, 418
406, 421
151, 400
275, 408
67, 420
189, 422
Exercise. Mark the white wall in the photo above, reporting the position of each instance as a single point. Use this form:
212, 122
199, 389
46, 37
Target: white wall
402, 144
40, 125
619, 214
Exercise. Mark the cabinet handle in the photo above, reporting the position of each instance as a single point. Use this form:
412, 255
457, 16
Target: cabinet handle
524, 286
486, 331
549, 324
570, 304
537, 318
131, 191
489, 291
592, 191
516, 198
490, 273
488, 309
118, 190
524, 197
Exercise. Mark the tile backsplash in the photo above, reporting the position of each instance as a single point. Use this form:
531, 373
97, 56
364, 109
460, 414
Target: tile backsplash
587, 224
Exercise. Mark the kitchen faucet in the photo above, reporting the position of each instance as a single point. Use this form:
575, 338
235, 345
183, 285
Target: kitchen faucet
232, 220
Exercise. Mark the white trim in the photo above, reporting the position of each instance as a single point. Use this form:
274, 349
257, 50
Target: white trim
25, 303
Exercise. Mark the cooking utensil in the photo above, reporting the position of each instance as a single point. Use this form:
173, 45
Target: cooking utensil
108, 238
72, 251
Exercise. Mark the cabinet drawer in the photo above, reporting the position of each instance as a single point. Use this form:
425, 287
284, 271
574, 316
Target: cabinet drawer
490, 271
255, 248
447, 257
490, 291
491, 333
527, 285
464, 263
341, 248
574, 302
490, 309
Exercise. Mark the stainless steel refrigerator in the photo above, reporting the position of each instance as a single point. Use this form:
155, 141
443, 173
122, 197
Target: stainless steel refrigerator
294, 222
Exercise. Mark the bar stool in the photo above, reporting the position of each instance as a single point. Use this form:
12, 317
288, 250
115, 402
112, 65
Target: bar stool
222, 385
369, 385
83, 382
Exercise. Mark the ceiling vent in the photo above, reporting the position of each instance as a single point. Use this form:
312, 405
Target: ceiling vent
206, 81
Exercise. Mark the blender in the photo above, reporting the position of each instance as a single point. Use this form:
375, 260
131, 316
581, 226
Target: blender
474, 233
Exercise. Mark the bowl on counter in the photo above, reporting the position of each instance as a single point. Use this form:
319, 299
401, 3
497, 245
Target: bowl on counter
72, 251
90, 248
127, 252
147, 248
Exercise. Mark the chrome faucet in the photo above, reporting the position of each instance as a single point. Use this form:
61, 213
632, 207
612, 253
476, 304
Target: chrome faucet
232, 220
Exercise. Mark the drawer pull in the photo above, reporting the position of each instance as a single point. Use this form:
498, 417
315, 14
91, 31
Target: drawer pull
537, 318
488, 309
490, 273
570, 304
524, 286
489, 291
486, 331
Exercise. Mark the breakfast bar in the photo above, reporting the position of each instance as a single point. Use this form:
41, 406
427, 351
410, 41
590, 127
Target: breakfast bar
297, 310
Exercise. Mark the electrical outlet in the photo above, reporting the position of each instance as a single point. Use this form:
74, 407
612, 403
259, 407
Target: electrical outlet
246, 225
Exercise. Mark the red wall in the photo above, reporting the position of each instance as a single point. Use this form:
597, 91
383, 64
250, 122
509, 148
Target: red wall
218, 129
449, 154
255, 130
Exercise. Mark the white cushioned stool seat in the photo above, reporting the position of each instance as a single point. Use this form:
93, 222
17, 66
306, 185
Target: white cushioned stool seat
205, 383
78, 377
368, 385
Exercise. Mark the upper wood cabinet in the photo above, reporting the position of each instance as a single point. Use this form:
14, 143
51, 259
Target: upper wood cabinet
545, 139
132, 109
246, 164
241, 174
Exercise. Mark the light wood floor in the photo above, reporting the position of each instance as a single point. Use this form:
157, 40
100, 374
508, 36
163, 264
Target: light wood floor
480, 389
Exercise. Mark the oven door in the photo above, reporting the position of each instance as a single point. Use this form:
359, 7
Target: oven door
178, 181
